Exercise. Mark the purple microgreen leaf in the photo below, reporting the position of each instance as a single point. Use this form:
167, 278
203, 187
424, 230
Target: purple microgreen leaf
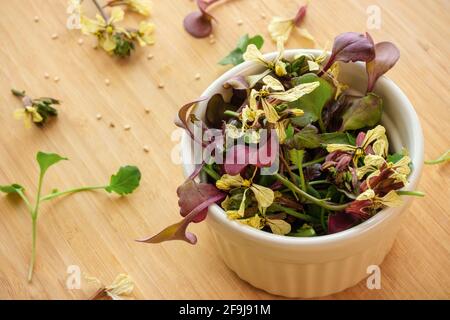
386, 56
239, 156
340, 221
351, 47
199, 23
300, 16
183, 118
194, 200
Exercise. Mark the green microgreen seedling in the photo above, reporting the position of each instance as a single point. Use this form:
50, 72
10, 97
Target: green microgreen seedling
124, 182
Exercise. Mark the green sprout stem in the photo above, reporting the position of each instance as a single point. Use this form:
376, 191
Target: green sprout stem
294, 213
211, 172
34, 216
71, 191
306, 196
411, 193
443, 158
300, 169
232, 114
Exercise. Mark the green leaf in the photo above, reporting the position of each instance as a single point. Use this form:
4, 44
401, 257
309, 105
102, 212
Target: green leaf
394, 157
313, 103
13, 188
363, 112
235, 57
307, 138
289, 131
305, 231
46, 160
125, 181
337, 137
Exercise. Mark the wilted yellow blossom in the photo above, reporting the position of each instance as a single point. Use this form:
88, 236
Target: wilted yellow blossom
376, 136
28, 114
391, 199
278, 226
104, 30
143, 7
145, 33
253, 54
264, 196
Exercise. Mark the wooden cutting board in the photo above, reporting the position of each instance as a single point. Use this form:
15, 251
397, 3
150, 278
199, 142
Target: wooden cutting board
96, 231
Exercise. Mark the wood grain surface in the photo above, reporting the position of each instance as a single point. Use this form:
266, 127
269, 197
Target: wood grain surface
96, 231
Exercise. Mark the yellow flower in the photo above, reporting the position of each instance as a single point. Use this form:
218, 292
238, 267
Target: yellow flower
273, 89
253, 54
104, 30
391, 199
373, 164
376, 136
29, 114
143, 7
278, 226
280, 128
334, 71
145, 33
280, 28
264, 196
122, 286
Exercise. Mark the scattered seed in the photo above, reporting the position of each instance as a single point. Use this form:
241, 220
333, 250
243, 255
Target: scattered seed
240, 22
263, 16
46, 75
211, 36
146, 149
99, 116
161, 85
54, 36
147, 110
212, 41
112, 125
80, 41
126, 127
107, 82
150, 57
36, 19
197, 76
56, 79
95, 46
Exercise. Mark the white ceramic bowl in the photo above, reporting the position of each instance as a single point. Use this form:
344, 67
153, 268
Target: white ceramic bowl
318, 266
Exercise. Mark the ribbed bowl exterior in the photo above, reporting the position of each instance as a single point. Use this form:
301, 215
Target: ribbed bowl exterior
317, 266
300, 279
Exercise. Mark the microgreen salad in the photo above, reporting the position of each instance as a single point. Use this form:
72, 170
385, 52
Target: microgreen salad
334, 168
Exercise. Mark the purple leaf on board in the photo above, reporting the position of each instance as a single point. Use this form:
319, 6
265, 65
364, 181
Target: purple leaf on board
300, 16
194, 201
199, 23
386, 56
351, 47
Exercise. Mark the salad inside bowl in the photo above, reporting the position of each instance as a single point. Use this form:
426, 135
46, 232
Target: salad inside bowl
280, 112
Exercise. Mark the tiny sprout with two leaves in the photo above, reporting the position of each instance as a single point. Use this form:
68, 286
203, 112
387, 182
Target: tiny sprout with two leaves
124, 182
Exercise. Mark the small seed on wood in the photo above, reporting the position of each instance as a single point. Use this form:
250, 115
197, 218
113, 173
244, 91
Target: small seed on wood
54, 36
107, 82
80, 41
36, 19
99, 116
126, 127
146, 149
56, 79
